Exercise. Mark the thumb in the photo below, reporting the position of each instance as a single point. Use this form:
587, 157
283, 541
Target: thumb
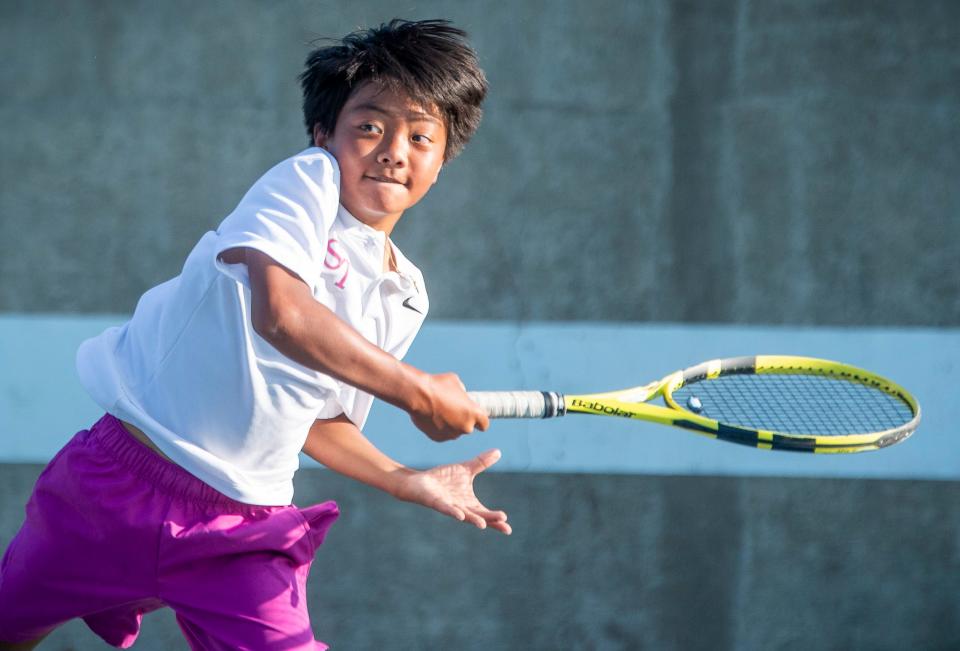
483, 461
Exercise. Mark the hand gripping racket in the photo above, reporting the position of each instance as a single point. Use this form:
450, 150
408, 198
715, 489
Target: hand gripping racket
772, 402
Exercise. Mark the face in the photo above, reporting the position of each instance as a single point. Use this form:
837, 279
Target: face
390, 151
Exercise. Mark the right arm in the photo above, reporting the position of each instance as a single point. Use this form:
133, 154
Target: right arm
286, 315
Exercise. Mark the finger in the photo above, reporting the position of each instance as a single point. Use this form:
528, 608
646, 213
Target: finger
476, 506
473, 516
488, 515
442, 436
483, 461
435, 432
481, 418
475, 520
483, 421
449, 509
452, 435
502, 527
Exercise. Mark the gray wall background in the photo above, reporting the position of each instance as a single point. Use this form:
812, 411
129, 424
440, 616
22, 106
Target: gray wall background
723, 161
726, 161
624, 562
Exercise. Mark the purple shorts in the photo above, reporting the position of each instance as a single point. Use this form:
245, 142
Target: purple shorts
113, 531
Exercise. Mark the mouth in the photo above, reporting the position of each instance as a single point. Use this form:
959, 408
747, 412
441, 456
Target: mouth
385, 179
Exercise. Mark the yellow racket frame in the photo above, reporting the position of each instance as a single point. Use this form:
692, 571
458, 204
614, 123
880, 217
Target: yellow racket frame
632, 403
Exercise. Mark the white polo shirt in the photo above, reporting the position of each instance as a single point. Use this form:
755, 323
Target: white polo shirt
188, 368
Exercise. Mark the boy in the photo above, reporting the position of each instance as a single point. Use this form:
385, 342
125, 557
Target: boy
282, 326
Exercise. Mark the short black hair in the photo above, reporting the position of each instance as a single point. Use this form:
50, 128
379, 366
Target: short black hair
428, 60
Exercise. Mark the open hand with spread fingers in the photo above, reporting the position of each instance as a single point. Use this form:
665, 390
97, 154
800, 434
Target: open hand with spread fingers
449, 490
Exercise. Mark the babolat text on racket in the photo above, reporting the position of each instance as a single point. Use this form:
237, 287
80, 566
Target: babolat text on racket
774, 402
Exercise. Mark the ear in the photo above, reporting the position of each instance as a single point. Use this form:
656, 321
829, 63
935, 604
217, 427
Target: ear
319, 136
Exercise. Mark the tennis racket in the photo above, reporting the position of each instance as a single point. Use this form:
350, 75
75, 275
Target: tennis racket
773, 402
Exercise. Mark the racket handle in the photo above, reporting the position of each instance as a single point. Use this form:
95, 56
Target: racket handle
520, 404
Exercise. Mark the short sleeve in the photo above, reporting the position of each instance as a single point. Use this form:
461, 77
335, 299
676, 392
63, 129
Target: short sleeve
286, 215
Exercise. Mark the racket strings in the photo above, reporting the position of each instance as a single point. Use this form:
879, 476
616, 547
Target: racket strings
796, 404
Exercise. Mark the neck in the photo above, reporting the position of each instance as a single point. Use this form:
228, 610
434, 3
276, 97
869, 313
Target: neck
386, 224
389, 259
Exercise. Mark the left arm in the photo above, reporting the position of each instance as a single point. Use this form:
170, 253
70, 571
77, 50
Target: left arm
339, 445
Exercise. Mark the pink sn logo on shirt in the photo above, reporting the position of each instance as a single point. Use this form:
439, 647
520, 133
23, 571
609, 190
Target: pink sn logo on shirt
335, 260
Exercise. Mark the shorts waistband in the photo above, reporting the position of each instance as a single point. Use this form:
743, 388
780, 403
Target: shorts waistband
109, 434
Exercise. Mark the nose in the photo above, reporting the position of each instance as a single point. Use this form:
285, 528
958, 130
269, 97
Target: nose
393, 151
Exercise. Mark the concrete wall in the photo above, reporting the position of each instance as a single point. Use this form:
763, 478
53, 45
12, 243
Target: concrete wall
744, 162
629, 562
733, 162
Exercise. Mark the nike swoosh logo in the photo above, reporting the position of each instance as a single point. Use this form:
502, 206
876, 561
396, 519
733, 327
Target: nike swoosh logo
406, 304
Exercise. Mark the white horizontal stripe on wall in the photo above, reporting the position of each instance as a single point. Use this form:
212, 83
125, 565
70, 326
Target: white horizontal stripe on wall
42, 404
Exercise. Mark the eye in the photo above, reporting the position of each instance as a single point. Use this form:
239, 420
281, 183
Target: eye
420, 138
370, 128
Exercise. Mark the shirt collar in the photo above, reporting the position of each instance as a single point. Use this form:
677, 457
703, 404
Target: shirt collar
351, 223
357, 228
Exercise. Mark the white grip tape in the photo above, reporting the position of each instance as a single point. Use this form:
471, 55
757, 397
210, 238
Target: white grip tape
519, 404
